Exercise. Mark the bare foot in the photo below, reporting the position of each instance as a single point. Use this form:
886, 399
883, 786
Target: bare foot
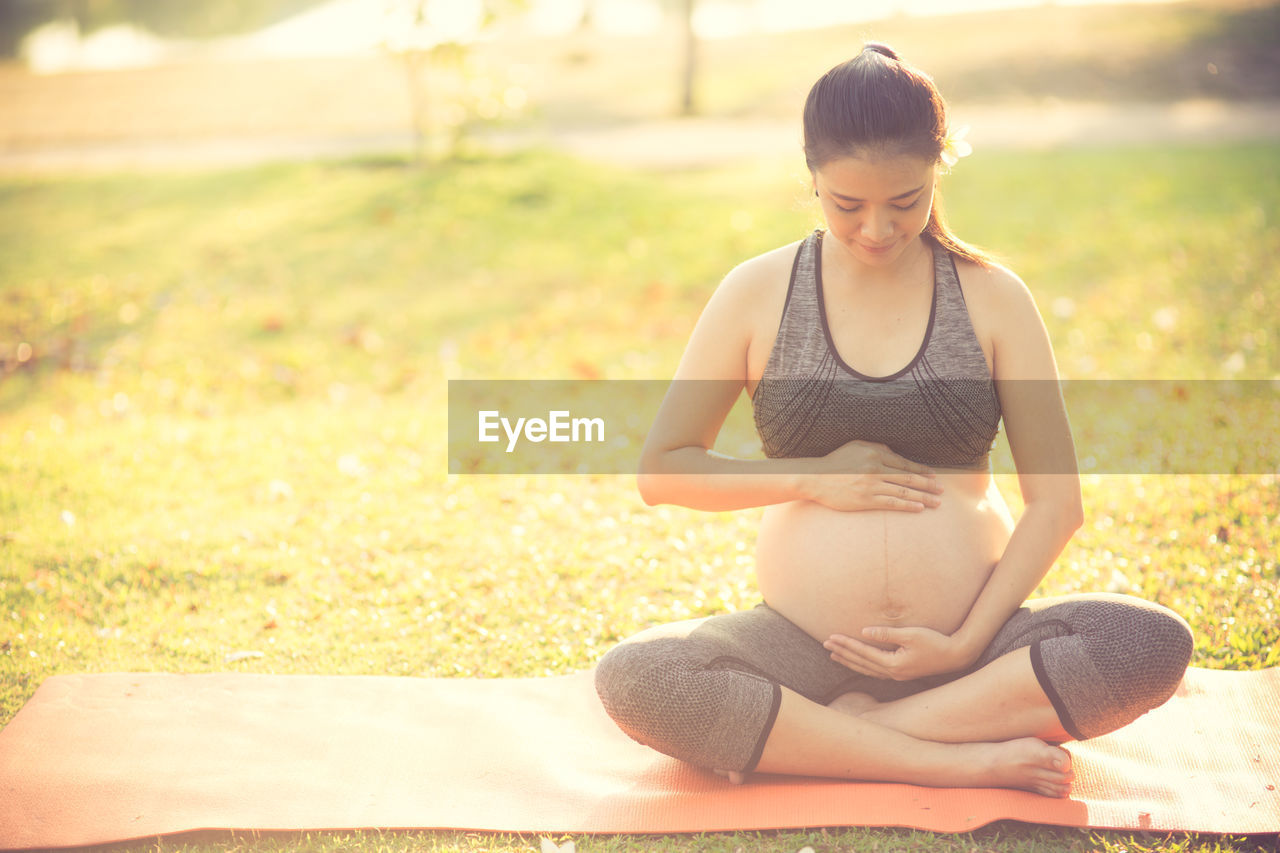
734, 777
1026, 763
853, 703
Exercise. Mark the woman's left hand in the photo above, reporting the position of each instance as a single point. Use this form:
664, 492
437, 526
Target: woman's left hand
920, 652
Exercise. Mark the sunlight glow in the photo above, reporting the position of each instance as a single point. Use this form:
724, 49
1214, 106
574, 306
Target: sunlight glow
347, 27
59, 46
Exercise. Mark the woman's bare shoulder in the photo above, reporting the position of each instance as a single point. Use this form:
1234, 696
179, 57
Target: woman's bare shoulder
751, 295
744, 307
1007, 322
763, 276
995, 294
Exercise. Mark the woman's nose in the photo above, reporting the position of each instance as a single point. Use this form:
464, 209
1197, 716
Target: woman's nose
877, 226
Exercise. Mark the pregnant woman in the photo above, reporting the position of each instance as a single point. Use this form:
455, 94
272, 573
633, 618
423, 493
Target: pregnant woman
895, 641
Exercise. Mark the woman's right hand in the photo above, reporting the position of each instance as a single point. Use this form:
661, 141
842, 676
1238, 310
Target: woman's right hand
864, 475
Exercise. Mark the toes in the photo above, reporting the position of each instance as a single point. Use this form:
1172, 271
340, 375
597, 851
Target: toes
1053, 783
1052, 788
1063, 767
1059, 762
1054, 774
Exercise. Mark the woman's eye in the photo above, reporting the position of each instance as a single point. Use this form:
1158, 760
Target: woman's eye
858, 207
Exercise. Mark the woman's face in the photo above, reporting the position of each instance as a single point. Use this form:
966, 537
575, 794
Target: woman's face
875, 207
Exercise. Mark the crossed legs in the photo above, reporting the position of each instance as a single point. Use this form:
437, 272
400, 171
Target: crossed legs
751, 691
1112, 657
1000, 701
815, 740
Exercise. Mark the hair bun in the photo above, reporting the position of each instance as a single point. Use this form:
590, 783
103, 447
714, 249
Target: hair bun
880, 48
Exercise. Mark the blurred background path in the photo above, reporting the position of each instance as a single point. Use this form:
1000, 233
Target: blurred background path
672, 143
1049, 74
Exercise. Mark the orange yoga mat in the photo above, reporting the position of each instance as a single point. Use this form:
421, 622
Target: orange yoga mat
100, 758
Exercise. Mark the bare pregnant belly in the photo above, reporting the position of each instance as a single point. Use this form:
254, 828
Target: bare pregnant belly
838, 572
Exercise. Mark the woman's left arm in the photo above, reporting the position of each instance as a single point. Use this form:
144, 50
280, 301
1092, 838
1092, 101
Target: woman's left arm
1035, 422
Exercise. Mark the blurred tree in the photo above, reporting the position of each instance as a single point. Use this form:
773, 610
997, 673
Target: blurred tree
431, 40
587, 19
683, 11
689, 63
203, 19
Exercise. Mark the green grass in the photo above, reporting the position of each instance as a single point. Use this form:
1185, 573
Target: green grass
226, 430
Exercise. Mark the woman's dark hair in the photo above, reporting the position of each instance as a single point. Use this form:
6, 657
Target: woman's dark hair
876, 104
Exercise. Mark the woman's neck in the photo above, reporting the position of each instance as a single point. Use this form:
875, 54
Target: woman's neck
843, 271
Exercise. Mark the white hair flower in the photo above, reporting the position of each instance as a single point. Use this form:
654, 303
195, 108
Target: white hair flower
954, 146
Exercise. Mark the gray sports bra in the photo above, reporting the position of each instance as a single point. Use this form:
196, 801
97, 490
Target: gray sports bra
940, 410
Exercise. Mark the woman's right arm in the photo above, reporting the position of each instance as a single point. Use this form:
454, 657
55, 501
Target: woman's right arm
678, 464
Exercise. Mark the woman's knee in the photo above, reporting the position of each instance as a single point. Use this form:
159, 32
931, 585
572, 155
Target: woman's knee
625, 678
1124, 657
1167, 646
1144, 647
661, 694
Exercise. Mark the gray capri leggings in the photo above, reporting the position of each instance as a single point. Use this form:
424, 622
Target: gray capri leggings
707, 691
